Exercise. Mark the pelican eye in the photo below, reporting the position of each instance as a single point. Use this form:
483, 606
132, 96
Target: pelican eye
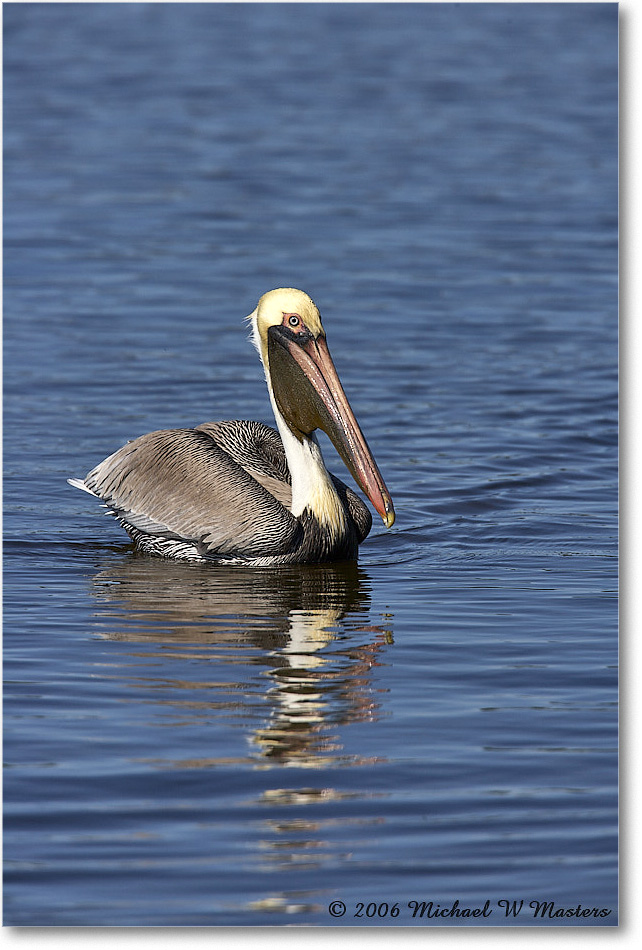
294, 320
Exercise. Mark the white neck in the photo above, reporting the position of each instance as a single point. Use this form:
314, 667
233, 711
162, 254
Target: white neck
312, 486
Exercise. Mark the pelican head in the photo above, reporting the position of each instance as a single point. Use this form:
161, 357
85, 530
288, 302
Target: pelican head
275, 306
305, 387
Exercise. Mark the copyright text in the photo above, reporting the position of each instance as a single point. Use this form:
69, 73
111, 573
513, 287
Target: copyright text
431, 910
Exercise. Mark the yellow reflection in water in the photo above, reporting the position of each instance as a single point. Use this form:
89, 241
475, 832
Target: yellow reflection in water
282, 657
299, 640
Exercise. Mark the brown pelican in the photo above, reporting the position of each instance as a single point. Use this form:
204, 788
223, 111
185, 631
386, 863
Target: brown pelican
240, 492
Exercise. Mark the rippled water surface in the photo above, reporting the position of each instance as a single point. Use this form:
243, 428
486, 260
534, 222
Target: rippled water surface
189, 745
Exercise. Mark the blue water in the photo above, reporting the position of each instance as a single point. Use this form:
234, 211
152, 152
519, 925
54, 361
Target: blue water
188, 745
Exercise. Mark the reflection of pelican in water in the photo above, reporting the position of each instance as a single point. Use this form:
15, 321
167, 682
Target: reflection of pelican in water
239, 492
171, 601
304, 620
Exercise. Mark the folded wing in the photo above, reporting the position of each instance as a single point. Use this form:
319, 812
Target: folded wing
205, 486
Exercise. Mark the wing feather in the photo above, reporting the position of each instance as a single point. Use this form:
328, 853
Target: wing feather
181, 484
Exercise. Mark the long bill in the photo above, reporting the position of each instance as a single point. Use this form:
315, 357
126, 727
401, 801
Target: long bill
310, 396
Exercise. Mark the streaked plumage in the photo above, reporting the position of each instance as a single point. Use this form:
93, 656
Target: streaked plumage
240, 491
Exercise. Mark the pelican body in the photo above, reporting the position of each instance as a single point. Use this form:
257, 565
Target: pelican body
242, 492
